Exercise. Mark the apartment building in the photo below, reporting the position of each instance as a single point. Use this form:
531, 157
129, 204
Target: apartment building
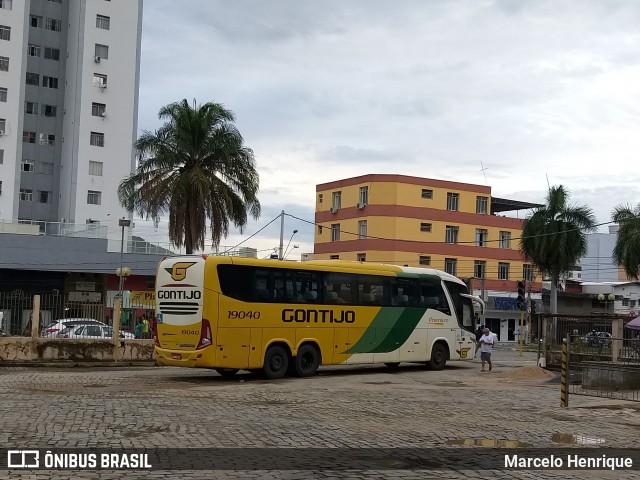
69, 77
450, 226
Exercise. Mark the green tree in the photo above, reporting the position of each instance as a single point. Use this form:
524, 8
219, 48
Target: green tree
195, 169
554, 237
627, 250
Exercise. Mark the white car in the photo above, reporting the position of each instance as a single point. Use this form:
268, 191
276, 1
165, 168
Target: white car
53, 329
92, 331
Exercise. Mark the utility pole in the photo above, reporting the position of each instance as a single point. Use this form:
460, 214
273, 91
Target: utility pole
281, 235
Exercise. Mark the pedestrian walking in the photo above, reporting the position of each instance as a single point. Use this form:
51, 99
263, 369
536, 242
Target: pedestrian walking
145, 328
137, 332
479, 333
486, 345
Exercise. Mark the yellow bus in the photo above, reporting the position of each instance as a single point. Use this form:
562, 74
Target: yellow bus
279, 317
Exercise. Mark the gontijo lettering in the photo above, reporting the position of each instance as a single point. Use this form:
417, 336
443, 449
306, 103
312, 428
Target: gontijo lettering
302, 315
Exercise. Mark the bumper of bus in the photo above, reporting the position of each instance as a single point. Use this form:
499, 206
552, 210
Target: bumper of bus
204, 357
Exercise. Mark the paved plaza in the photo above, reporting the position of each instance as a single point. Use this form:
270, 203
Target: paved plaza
341, 407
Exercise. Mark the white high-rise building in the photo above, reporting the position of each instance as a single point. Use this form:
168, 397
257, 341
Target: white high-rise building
69, 78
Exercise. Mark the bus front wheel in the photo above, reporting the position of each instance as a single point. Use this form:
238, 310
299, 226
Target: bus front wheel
276, 362
307, 361
438, 357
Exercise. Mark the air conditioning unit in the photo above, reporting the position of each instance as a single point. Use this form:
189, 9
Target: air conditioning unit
361, 205
102, 85
333, 210
103, 114
97, 59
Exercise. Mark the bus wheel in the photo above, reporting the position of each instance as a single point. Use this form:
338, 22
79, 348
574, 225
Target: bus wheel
307, 360
438, 357
227, 372
276, 362
393, 365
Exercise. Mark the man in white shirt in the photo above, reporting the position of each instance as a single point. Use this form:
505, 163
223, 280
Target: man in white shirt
486, 345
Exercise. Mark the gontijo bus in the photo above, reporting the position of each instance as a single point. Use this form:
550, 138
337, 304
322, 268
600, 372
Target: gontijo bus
233, 313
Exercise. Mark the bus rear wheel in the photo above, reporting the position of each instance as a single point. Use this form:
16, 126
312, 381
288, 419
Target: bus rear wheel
227, 372
307, 361
438, 357
276, 362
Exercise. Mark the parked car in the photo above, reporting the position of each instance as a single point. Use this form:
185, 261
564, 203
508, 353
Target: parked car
54, 328
91, 330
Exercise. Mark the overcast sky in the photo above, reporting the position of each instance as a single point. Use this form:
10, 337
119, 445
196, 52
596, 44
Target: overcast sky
325, 90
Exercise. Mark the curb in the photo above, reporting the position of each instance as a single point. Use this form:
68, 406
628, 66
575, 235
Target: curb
72, 364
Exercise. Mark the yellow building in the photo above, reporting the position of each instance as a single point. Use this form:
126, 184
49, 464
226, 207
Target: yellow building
416, 221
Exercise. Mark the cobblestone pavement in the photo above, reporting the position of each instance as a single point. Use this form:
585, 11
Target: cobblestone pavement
160, 407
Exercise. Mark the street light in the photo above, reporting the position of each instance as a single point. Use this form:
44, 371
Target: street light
606, 299
122, 272
285, 256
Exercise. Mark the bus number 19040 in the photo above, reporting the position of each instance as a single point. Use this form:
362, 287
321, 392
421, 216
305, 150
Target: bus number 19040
241, 315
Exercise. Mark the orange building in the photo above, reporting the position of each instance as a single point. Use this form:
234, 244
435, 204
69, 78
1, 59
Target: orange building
416, 221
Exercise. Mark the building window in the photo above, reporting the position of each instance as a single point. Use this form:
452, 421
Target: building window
99, 80
361, 257
4, 64
505, 240
35, 21
47, 139
3, 125
451, 234
3, 94
49, 110
479, 268
335, 232
31, 108
97, 139
45, 168
53, 24
103, 22
44, 197
424, 260
319, 198
102, 51
1, 157
33, 79
49, 82
6, 4
5, 33
33, 50
94, 198
482, 236
26, 165
28, 137
319, 229
0, 188
482, 205
334, 257
336, 200
632, 303
364, 195
95, 168
527, 272
450, 266
427, 193
425, 227
625, 302
26, 195
452, 201
98, 109
51, 53
503, 271
362, 229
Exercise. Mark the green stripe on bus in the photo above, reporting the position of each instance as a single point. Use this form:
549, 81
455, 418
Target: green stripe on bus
405, 325
384, 320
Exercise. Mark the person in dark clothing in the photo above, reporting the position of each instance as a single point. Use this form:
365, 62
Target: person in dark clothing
479, 333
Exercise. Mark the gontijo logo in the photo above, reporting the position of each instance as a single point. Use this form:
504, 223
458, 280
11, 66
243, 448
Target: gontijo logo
179, 270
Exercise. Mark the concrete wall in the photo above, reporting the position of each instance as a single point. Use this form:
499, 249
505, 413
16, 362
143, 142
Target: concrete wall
24, 349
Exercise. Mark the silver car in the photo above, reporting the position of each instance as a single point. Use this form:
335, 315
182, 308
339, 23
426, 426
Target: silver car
92, 331
53, 329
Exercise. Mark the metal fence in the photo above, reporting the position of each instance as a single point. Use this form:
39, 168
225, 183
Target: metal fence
58, 313
604, 366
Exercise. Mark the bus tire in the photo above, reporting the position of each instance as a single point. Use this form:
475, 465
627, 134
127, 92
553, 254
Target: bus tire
276, 362
307, 361
392, 365
438, 357
227, 372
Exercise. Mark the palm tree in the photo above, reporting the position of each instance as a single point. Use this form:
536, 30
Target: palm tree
554, 237
627, 249
196, 169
